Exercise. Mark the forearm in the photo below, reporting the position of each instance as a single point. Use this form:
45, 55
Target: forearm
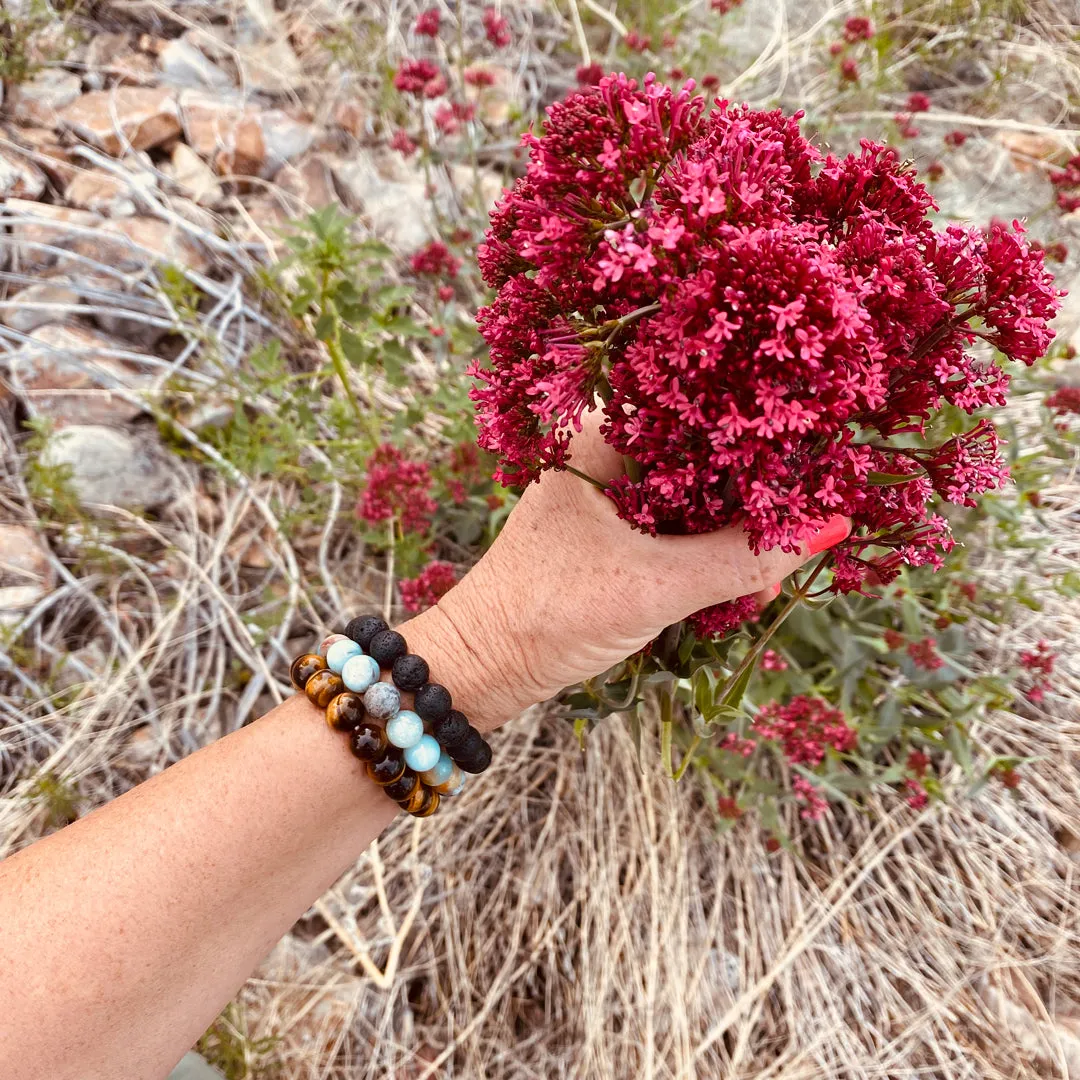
123, 936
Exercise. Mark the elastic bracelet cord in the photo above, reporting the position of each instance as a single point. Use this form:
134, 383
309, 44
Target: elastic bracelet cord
417, 756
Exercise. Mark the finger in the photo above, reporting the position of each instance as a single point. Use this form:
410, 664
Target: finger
710, 568
590, 454
768, 594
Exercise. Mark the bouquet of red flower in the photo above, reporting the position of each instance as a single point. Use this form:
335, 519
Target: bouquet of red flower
771, 330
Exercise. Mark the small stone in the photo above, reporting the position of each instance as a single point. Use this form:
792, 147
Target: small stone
394, 202
1027, 149
26, 575
309, 181
351, 116
112, 59
129, 244
66, 374
40, 99
108, 193
112, 467
183, 65
38, 304
271, 67
143, 117
52, 159
19, 178
194, 176
36, 227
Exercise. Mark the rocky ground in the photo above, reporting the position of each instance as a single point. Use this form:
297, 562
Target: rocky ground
591, 924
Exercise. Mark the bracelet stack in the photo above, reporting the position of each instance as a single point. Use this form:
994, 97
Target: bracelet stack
417, 756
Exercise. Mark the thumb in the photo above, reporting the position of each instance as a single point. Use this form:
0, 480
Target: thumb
709, 568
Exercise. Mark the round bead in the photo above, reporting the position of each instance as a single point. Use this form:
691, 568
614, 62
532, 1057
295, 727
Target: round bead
388, 768
368, 741
477, 761
359, 673
303, 667
415, 800
386, 646
451, 783
440, 771
345, 712
382, 700
363, 628
323, 687
405, 730
410, 672
457, 791
429, 805
433, 702
423, 755
328, 641
403, 786
339, 652
451, 730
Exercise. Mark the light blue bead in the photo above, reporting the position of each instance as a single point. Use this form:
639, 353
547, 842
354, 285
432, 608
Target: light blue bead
424, 755
359, 672
440, 772
457, 791
405, 730
339, 652
382, 700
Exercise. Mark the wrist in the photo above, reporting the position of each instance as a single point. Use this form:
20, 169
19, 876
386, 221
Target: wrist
460, 642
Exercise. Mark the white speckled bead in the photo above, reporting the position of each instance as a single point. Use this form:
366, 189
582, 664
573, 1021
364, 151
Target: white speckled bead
328, 641
382, 701
359, 672
405, 730
440, 772
339, 652
424, 755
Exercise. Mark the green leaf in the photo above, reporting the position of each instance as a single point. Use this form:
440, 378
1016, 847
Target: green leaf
324, 326
633, 720
356, 350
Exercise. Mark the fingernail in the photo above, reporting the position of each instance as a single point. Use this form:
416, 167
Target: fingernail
776, 590
831, 533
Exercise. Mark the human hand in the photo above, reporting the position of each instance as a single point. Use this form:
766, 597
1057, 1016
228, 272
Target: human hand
569, 589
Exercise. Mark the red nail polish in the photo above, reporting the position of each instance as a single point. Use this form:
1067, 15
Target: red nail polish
831, 533
776, 590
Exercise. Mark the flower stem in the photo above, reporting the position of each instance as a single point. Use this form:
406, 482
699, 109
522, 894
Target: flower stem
584, 476
667, 699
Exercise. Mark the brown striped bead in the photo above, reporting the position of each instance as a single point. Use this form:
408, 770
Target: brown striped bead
323, 687
368, 742
388, 768
450, 783
303, 667
429, 805
345, 712
415, 800
403, 786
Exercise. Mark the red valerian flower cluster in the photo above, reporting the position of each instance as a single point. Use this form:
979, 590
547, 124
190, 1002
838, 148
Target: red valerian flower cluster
1067, 181
858, 28
425, 590
397, 489
436, 260
805, 729
496, 28
758, 319
1064, 400
427, 23
1040, 662
421, 78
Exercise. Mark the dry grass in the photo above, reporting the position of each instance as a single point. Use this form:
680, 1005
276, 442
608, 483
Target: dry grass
572, 916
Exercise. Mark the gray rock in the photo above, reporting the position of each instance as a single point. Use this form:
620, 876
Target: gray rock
392, 198
183, 65
21, 312
113, 467
39, 100
19, 178
194, 1067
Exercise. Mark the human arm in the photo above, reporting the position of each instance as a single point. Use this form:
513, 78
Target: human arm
122, 936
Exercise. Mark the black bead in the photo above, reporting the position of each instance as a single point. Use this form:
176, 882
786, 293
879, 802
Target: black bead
363, 628
475, 762
450, 732
410, 672
433, 702
386, 646
403, 786
469, 747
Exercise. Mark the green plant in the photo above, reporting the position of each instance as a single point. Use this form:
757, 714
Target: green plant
58, 796
229, 1046
23, 52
